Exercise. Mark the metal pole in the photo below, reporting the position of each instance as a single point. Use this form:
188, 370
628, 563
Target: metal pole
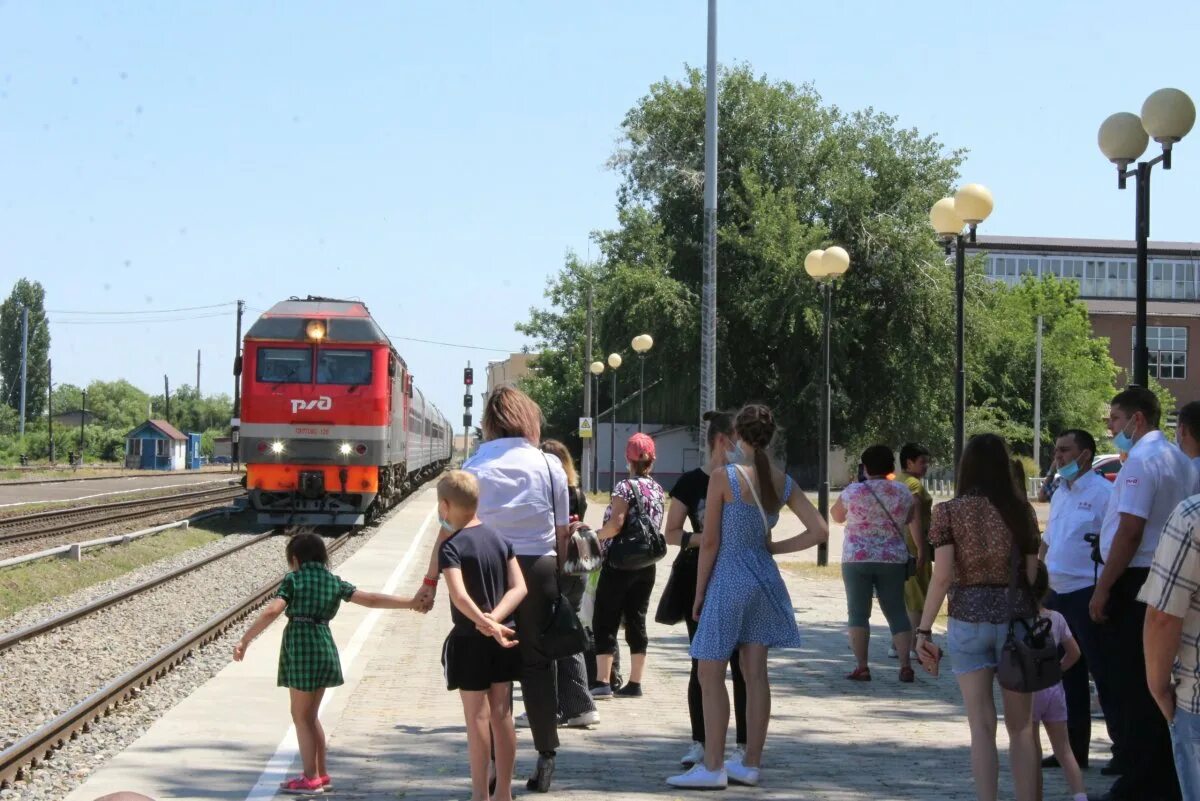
587, 397
641, 390
960, 377
595, 466
1141, 354
82, 418
197, 374
1037, 401
235, 432
823, 456
708, 298
612, 438
167, 397
50, 404
24, 362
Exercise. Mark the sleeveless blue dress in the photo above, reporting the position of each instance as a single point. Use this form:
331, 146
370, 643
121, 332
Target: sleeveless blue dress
746, 600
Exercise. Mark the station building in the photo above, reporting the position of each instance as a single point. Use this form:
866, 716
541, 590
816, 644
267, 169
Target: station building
1106, 271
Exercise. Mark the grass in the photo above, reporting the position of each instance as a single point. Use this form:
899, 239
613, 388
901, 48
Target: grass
33, 583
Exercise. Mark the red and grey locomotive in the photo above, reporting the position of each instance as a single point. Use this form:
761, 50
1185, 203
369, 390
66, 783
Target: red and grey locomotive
332, 428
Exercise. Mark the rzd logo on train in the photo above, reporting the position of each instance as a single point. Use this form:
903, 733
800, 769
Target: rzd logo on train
323, 403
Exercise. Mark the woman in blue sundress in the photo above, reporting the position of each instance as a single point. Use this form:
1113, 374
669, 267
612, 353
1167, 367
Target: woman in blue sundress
741, 600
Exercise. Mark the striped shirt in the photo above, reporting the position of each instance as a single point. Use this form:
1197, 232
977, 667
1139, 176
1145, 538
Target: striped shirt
1174, 589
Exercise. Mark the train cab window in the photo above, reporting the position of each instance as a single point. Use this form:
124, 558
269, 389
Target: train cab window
284, 365
343, 366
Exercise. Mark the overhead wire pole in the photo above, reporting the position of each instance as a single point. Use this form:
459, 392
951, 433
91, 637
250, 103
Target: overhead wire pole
24, 362
587, 398
236, 422
708, 298
50, 404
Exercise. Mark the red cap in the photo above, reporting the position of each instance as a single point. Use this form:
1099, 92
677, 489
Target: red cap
639, 448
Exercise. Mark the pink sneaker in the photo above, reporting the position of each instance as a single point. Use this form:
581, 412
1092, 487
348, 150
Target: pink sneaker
302, 785
327, 783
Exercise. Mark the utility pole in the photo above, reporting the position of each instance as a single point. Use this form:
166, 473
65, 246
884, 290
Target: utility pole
197, 374
50, 404
235, 424
167, 397
587, 399
708, 297
1037, 403
82, 420
24, 361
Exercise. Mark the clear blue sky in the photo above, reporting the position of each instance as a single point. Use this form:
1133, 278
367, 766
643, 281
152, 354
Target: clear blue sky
438, 159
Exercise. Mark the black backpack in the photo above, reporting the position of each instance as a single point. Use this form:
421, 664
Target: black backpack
640, 544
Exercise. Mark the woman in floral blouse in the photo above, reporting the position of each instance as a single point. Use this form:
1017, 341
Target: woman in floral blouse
875, 557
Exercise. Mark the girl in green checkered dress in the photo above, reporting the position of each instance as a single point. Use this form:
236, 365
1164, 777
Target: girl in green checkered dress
308, 659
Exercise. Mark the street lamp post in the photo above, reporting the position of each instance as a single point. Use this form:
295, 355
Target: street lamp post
1167, 116
642, 345
614, 361
596, 368
826, 266
970, 206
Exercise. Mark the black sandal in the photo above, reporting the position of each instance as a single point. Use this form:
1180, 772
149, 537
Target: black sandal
539, 782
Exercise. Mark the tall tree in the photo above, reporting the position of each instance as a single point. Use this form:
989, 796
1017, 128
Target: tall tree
31, 295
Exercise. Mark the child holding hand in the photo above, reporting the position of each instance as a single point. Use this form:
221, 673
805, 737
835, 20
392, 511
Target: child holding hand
308, 660
479, 657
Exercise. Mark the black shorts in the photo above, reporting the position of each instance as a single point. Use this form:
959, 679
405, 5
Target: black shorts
473, 662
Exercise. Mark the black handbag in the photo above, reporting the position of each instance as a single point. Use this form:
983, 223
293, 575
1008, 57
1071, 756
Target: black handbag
678, 596
640, 544
564, 634
1030, 662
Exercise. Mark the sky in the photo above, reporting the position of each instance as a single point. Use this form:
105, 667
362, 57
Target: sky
439, 159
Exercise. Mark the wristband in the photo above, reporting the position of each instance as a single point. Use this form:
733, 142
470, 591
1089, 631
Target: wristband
429, 582
926, 633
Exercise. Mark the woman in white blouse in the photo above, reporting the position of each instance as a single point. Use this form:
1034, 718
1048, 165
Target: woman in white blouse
523, 496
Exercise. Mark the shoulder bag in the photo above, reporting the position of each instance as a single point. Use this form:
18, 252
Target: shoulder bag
640, 543
1030, 662
563, 635
910, 566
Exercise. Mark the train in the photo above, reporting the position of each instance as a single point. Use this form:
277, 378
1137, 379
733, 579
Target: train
333, 429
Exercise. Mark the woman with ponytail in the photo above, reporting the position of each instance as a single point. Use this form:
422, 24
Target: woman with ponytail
741, 600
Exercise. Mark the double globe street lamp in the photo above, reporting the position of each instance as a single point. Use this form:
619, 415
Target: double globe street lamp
595, 368
1167, 116
826, 266
641, 346
614, 361
970, 206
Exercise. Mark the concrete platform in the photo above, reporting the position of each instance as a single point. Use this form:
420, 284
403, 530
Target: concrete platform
396, 733
102, 489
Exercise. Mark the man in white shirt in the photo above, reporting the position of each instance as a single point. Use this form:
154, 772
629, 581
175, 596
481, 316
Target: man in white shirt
1076, 511
1187, 434
1153, 481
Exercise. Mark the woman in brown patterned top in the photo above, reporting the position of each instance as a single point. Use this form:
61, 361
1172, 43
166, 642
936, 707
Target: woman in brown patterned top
973, 537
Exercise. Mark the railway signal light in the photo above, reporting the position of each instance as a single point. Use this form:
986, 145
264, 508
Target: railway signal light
468, 376
466, 421
467, 400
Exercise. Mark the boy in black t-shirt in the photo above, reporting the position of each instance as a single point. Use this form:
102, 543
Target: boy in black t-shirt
479, 657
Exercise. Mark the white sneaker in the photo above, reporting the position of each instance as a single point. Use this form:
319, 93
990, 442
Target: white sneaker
522, 720
694, 755
701, 778
739, 773
590, 718
892, 654
739, 751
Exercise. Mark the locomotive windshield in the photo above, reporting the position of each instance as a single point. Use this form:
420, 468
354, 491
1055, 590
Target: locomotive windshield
343, 366
284, 365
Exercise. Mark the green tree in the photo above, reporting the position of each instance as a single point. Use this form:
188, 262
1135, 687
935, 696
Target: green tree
794, 174
31, 295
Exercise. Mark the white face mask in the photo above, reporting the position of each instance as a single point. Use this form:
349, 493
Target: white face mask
736, 455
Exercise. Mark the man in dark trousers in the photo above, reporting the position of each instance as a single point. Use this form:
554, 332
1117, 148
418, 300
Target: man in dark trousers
1077, 510
1155, 478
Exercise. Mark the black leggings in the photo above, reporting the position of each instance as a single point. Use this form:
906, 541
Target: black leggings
539, 681
622, 594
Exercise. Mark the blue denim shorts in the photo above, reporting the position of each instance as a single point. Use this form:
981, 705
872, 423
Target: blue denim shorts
974, 646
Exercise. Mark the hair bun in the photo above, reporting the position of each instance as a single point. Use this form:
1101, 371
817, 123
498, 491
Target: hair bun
756, 425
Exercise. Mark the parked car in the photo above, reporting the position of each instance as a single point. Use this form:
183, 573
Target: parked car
1107, 466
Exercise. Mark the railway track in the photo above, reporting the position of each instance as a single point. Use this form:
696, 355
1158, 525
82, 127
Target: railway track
30, 751
38, 525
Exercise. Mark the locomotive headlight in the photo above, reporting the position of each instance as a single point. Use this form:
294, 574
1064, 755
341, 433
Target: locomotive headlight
344, 449
315, 329
276, 448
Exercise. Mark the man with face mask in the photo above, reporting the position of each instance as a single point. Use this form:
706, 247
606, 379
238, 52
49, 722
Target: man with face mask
1155, 478
1187, 434
1076, 511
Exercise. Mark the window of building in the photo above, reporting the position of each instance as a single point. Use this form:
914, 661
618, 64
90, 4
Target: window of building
1175, 280
1168, 351
135, 447
162, 447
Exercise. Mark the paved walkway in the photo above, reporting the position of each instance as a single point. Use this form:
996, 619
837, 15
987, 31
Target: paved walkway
396, 733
